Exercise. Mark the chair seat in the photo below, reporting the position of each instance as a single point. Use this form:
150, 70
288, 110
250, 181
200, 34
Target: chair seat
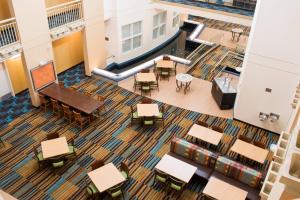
115, 194
145, 88
58, 164
71, 149
92, 189
175, 187
160, 115
149, 122
135, 115
40, 156
165, 73
161, 179
124, 174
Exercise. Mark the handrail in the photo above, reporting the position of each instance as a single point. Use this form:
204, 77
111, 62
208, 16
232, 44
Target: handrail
9, 32
7, 20
63, 5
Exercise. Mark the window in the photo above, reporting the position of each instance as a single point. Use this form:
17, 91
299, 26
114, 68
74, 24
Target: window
159, 24
131, 36
175, 19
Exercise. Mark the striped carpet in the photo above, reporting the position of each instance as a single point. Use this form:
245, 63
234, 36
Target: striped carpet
107, 138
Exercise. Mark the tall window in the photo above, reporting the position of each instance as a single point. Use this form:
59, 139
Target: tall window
131, 36
175, 19
159, 24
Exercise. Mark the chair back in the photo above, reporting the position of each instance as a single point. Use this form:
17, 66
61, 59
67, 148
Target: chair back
51, 136
146, 101
35, 150
148, 119
161, 174
259, 144
97, 164
56, 159
77, 115
202, 123
145, 70
66, 109
244, 138
88, 93
162, 109
42, 99
116, 189
124, 167
61, 83
100, 98
132, 109
166, 58
218, 129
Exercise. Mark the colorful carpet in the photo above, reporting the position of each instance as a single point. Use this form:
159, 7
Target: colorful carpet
107, 138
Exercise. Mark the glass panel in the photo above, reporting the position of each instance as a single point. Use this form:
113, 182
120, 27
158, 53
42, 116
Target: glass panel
137, 28
155, 20
163, 18
137, 42
162, 30
126, 45
155, 33
126, 32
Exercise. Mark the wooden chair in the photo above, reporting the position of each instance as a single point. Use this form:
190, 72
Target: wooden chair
116, 192
51, 136
125, 170
149, 121
202, 123
73, 87
145, 88
146, 101
134, 116
56, 108
92, 191
218, 129
136, 85
155, 84
2, 143
87, 93
68, 115
145, 70
161, 178
166, 58
101, 99
44, 103
97, 164
244, 138
39, 157
260, 144
57, 162
161, 117
61, 84
81, 120
176, 186
165, 73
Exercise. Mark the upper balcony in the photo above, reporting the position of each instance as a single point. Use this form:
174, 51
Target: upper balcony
9, 39
65, 18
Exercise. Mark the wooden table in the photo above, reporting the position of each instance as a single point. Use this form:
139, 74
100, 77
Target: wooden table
176, 168
147, 110
205, 134
165, 64
250, 151
6, 196
72, 98
106, 177
223, 191
145, 77
54, 147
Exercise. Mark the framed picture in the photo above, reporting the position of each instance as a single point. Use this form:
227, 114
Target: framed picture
43, 75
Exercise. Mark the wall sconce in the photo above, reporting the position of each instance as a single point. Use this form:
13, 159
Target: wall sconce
263, 116
273, 117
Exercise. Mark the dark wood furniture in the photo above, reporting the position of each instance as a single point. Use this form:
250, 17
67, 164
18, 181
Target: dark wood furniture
72, 98
223, 94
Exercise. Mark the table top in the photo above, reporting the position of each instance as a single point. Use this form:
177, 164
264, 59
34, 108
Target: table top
106, 177
165, 64
224, 84
205, 134
184, 77
147, 110
6, 196
250, 151
223, 191
145, 77
72, 98
54, 147
176, 168
237, 30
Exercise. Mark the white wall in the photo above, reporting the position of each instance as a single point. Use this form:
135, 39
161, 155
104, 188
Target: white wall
4, 82
128, 12
272, 61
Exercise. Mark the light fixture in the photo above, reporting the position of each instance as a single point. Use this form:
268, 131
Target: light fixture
263, 116
273, 117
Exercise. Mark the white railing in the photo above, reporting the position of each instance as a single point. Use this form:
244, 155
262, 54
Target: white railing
64, 14
8, 32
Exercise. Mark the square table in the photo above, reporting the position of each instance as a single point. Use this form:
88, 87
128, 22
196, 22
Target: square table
146, 77
106, 177
205, 134
54, 147
223, 191
147, 110
176, 168
6, 196
165, 64
250, 151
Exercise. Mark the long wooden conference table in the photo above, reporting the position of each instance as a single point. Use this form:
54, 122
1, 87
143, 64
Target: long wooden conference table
72, 98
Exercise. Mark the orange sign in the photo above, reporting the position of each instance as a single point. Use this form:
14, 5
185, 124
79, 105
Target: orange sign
43, 75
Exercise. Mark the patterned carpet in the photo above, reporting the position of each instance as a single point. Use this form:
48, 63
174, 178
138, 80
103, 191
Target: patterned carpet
220, 25
15, 106
106, 138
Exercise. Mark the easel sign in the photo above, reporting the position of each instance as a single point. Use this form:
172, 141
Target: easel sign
43, 75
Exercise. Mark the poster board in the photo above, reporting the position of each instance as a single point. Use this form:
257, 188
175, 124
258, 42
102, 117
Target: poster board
43, 75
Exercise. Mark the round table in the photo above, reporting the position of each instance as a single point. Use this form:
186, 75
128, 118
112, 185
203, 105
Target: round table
236, 32
183, 81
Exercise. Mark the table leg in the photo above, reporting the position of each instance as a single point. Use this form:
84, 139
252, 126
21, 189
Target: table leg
187, 87
179, 86
233, 35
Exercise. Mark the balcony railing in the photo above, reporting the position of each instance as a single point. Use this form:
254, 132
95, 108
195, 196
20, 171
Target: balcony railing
8, 32
65, 13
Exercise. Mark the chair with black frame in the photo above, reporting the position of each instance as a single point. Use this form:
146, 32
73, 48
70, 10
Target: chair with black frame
155, 84
68, 115
124, 169
161, 178
39, 157
56, 108
116, 192
81, 120
53, 135
72, 149
165, 73
91, 189
218, 129
145, 88
134, 116
202, 123
148, 121
161, 117
44, 103
136, 85
57, 162
176, 186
